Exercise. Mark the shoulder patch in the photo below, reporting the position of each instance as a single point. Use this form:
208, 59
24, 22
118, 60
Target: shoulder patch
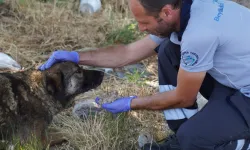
189, 58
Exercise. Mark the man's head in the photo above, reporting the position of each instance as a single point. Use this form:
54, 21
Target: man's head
160, 17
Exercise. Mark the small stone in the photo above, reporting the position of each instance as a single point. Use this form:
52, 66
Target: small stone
144, 138
120, 74
86, 108
108, 70
135, 67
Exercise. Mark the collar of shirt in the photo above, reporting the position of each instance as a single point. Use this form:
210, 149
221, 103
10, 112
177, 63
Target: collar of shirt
185, 15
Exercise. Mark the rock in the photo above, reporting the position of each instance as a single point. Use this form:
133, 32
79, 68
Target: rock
120, 74
108, 70
86, 108
138, 68
144, 138
135, 67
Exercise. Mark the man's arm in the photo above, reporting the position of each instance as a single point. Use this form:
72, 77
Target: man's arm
197, 53
110, 57
196, 60
118, 56
183, 96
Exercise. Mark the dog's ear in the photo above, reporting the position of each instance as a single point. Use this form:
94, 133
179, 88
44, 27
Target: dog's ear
53, 81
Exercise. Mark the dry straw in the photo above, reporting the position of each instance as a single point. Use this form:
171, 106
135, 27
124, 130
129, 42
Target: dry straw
30, 30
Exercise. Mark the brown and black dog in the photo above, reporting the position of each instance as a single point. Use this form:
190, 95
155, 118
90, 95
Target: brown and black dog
30, 99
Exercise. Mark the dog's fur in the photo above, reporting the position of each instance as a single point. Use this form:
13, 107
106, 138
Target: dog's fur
29, 99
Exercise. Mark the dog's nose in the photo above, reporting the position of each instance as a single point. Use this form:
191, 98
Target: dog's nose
92, 79
98, 74
94, 76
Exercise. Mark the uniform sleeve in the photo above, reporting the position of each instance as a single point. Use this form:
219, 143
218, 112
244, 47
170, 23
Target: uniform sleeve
156, 39
197, 50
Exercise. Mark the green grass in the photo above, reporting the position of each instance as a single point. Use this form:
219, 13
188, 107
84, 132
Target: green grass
124, 35
32, 143
136, 77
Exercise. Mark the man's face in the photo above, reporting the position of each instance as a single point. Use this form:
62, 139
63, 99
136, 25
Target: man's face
151, 24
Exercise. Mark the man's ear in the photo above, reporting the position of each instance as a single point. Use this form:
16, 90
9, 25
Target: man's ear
53, 81
166, 11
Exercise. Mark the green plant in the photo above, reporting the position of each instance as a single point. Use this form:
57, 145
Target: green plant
124, 35
32, 143
136, 77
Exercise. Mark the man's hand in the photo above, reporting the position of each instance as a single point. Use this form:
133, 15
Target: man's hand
59, 56
119, 105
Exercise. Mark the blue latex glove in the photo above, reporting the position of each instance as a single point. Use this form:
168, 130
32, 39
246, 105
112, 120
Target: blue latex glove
59, 56
119, 105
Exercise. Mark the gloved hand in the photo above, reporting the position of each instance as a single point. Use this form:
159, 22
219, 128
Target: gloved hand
59, 56
119, 105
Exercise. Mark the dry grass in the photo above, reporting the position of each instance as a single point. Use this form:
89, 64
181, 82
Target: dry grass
30, 30
108, 132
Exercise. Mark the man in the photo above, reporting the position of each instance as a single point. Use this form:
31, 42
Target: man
203, 46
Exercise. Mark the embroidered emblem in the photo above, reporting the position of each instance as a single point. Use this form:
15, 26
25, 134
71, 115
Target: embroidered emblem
189, 58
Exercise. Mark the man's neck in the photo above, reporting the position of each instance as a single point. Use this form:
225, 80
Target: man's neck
178, 22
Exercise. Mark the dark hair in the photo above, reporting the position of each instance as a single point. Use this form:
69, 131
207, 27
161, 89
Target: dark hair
153, 7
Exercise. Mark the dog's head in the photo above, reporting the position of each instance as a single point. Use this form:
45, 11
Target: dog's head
66, 79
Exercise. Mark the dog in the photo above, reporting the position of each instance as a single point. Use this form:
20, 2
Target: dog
30, 99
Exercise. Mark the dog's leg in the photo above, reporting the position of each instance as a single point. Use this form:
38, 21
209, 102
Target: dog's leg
33, 132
